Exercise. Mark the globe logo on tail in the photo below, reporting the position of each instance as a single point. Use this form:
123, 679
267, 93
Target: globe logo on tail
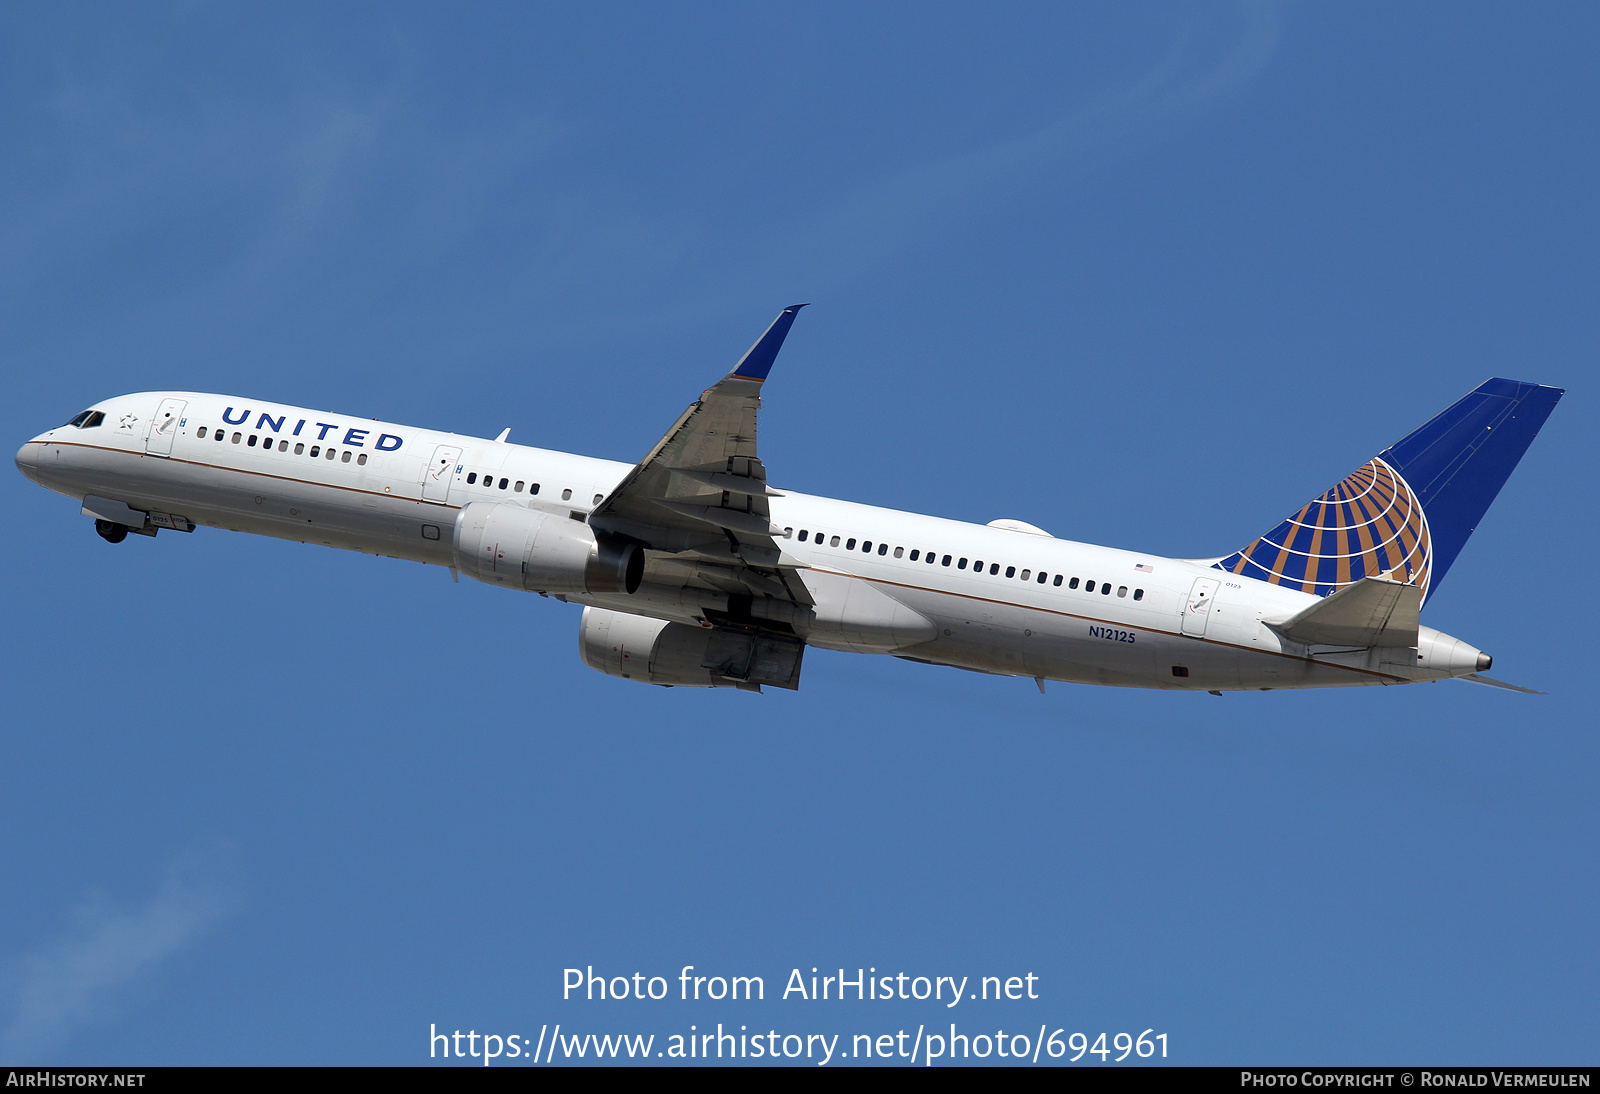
1370, 524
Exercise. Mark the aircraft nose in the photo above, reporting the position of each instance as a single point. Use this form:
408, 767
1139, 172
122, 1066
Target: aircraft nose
28, 460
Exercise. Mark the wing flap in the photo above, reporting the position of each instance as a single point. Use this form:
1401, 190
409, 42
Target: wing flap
734, 520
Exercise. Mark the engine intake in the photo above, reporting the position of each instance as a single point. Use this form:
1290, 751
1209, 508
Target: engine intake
635, 647
504, 544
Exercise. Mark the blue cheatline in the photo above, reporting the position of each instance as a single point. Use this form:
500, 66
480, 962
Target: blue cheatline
1408, 511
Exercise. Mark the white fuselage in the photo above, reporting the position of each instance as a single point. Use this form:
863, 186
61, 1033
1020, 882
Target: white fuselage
386, 489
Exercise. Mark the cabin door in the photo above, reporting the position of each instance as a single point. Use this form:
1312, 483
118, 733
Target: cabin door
1198, 608
441, 472
164, 427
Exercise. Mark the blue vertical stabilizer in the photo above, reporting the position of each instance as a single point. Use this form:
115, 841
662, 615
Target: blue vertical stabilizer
1408, 511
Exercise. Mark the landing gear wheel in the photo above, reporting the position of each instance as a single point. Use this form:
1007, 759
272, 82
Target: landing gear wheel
110, 531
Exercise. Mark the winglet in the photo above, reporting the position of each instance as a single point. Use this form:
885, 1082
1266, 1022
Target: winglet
757, 362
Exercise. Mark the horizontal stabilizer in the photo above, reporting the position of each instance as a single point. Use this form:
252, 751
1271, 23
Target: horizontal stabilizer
1477, 679
1374, 611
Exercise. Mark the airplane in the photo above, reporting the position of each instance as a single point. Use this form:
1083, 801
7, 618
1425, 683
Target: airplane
694, 571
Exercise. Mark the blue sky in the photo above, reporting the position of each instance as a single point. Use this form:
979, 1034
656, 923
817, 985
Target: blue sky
1143, 275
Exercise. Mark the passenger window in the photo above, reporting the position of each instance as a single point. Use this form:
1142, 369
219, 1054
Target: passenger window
899, 551
283, 446
316, 450
1122, 590
1105, 588
803, 535
345, 458
977, 567
1011, 571
597, 498
994, 567
534, 489
566, 495
946, 561
866, 546
1088, 586
931, 556
330, 453
850, 544
961, 565
1026, 574
1138, 594
517, 489
1057, 581
834, 542
914, 554
883, 548
787, 532
217, 433
361, 460
251, 443
1042, 577
236, 437
507, 482
472, 478
202, 433
1073, 584
299, 449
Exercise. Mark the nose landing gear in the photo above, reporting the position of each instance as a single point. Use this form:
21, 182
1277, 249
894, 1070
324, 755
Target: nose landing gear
110, 531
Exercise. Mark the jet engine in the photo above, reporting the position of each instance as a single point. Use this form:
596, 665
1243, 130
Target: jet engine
655, 651
504, 544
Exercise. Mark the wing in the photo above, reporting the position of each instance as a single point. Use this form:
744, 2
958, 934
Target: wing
698, 501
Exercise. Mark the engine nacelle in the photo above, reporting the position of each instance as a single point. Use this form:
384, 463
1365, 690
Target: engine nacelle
655, 651
504, 544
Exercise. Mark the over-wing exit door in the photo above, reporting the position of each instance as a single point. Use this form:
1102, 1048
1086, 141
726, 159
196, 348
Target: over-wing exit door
441, 473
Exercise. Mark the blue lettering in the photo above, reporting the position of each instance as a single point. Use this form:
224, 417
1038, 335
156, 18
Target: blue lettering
240, 420
265, 420
353, 437
382, 437
325, 427
1114, 635
299, 427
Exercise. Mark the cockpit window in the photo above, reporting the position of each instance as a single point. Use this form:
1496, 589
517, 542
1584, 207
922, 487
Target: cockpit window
88, 419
